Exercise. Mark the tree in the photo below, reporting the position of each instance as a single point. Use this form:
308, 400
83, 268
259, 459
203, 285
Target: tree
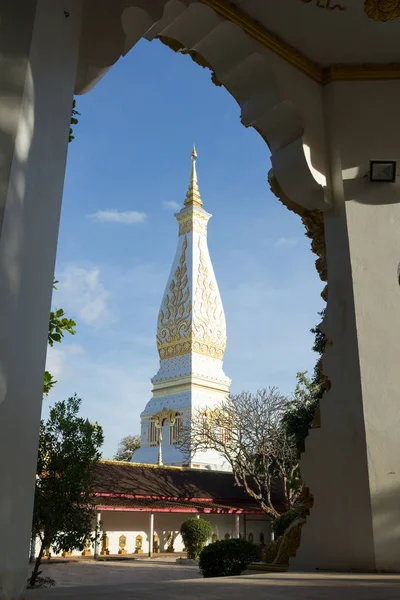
58, 325
195, 533
246, 431
64, 509
127, 447
74, 120
58, 322
300, 413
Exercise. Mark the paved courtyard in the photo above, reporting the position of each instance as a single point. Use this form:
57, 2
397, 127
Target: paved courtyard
163, 578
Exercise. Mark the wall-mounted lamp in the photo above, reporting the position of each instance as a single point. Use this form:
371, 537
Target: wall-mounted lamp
382, 171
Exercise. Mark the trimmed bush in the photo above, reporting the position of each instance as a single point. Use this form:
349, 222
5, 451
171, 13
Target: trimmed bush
228, 557
195, 533
282, 523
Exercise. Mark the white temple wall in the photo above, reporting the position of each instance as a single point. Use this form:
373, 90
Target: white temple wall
192, 400
358, 441
131, 524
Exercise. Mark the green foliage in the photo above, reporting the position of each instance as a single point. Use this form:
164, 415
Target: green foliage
300, 414
127, 447
282, 523
58, 325
64, 509
320, 339
195, 533
298, 418
74, 120
48, 383
228, 557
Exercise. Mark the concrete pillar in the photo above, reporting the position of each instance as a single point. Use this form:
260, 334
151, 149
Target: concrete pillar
272, 532
352, 462
151, 533
237, 526
39, 44
96, 542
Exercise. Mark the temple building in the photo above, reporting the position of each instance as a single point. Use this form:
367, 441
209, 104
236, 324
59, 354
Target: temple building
191, 341
142, 504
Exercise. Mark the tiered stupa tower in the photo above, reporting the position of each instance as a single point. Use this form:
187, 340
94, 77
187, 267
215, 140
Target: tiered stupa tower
191, 341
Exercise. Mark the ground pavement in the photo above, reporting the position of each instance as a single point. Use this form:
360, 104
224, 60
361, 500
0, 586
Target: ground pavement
165, 579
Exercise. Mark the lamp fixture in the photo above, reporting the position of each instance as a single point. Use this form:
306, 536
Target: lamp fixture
382, 171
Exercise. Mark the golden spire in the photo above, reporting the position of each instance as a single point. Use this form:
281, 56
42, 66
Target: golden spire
193, 194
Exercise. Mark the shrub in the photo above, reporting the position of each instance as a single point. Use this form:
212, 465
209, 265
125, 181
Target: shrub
228, 557
195, 533
282, 523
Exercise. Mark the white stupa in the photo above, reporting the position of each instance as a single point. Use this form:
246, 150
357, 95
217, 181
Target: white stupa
191, 341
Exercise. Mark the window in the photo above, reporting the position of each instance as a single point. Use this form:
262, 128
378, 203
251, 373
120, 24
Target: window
226, 434
154, 434
175, 432
206, 432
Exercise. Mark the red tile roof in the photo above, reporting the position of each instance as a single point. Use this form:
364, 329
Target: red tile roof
132, 486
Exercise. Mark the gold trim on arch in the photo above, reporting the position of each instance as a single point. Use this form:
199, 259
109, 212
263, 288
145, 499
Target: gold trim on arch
322, 75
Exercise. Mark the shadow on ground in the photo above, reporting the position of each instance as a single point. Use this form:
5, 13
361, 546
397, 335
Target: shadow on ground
290, 586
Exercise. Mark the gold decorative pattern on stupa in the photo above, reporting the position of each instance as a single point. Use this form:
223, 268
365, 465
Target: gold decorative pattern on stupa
193, 222
174, 319
192, 322
209, 330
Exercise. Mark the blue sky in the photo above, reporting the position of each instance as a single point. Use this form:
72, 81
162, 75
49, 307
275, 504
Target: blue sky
127, 173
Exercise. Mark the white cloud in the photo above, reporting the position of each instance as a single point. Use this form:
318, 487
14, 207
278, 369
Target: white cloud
171, 205
55, 361
82, 292
285, 241
58, 356
75, 349
127, 217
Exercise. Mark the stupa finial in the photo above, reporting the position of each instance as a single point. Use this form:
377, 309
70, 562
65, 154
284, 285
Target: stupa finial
193, 194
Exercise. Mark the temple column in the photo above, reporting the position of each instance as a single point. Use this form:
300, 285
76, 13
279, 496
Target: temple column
352, 462
237, 526
39, 44
151, 533
97, 532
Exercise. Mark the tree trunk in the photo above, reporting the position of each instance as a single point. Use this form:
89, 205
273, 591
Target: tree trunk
38, 560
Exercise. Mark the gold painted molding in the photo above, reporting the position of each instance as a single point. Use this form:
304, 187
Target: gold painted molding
271, 41
188, 387
322, 75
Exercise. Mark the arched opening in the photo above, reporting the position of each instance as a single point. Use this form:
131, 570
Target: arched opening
152, 100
